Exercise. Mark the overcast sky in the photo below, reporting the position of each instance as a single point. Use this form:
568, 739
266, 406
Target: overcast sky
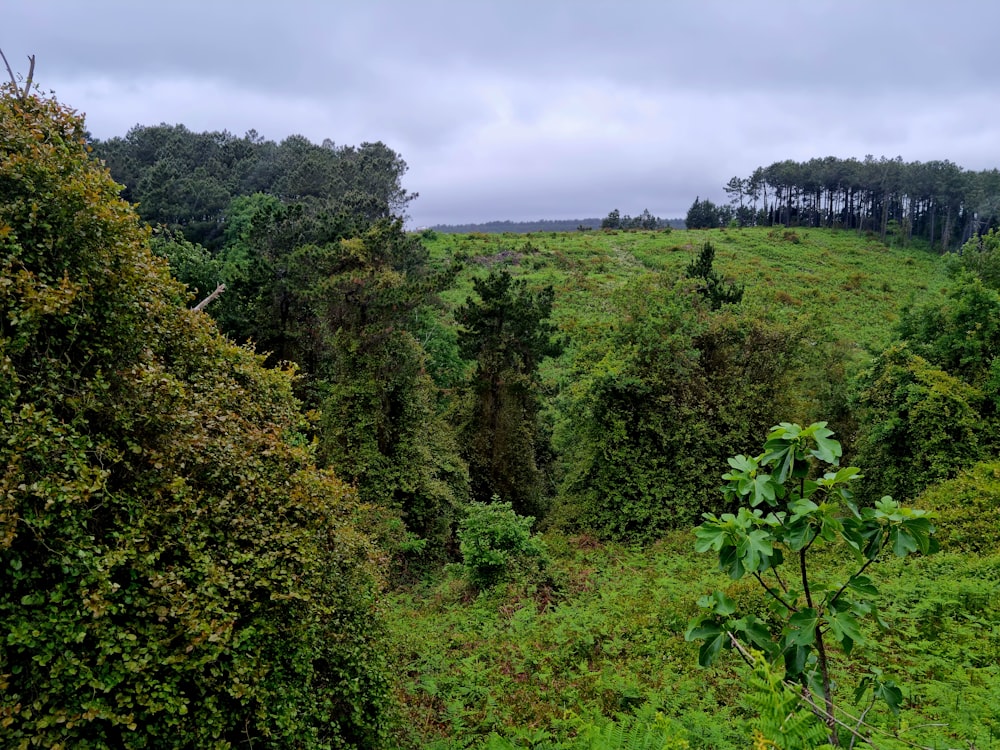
531, 109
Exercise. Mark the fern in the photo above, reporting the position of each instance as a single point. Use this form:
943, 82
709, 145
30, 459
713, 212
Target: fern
649, 730
783, 721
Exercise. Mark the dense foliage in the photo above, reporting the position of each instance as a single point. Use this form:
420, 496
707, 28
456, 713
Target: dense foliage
174, 570
930, 402
177, 562
188, 180
669, 389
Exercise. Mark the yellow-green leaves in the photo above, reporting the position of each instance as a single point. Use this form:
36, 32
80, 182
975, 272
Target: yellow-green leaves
174, 570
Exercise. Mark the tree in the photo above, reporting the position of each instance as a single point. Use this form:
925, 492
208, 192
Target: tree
712, 287
174, 569
671, 386
612, 221
507, 333
806, 496
704, 214
381, 427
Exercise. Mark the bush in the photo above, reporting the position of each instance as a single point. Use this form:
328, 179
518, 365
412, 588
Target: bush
497, 544
921, 425
672, 388
174, 570
968, 509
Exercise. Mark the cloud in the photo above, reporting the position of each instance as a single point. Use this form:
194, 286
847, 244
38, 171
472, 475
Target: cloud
521, 109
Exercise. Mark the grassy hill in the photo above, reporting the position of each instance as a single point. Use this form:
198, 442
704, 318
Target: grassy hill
852, 283
602, 639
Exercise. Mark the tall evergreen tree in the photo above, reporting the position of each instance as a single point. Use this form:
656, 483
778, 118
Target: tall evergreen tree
508, 333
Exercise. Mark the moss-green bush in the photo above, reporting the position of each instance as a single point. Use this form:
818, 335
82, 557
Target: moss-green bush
968, 509
497, 544
174, 571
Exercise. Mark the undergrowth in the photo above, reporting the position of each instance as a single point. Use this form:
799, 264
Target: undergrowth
532, 667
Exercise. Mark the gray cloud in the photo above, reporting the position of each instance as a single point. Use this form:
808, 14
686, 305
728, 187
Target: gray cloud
561, 109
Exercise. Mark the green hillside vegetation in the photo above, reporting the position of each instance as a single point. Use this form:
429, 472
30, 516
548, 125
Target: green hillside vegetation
855, 286
453, 499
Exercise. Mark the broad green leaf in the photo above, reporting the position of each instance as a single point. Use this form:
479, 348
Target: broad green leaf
763, 490
700, 628
723, 604
709, 537
902, 541
863, 585
796, 658
846, 630
755, 550
827, 449
755, 631
710, 649
890, 693
801, 508
802, 627
731, 562
798, 535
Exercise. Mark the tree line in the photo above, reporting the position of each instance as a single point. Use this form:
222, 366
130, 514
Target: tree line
936, 201
187, 180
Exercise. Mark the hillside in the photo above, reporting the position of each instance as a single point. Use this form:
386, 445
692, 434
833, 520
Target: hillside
597, 647
852, 287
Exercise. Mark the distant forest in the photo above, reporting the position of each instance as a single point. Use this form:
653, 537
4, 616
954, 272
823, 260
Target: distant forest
541, 225
937, 201
188, 181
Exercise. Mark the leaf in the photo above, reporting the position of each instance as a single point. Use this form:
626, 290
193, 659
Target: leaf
846, 630
723, 605
827, 449
763, 490
889, 692
863, 585
709, 537
795, 660
903, 543
802, 627
755, 550
700, 628
754, 630
710, 649
714, 635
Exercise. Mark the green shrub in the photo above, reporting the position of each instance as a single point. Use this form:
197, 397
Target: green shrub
968, 509
497, 544
174, 570
670, 389
920, 425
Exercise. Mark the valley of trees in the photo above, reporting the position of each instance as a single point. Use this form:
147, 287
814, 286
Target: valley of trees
395, 489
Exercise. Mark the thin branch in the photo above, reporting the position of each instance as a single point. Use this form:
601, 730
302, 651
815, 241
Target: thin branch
205, 302
780, 582
31, 73
23, 96
773, 593
861, 721
860, 571
13, 78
